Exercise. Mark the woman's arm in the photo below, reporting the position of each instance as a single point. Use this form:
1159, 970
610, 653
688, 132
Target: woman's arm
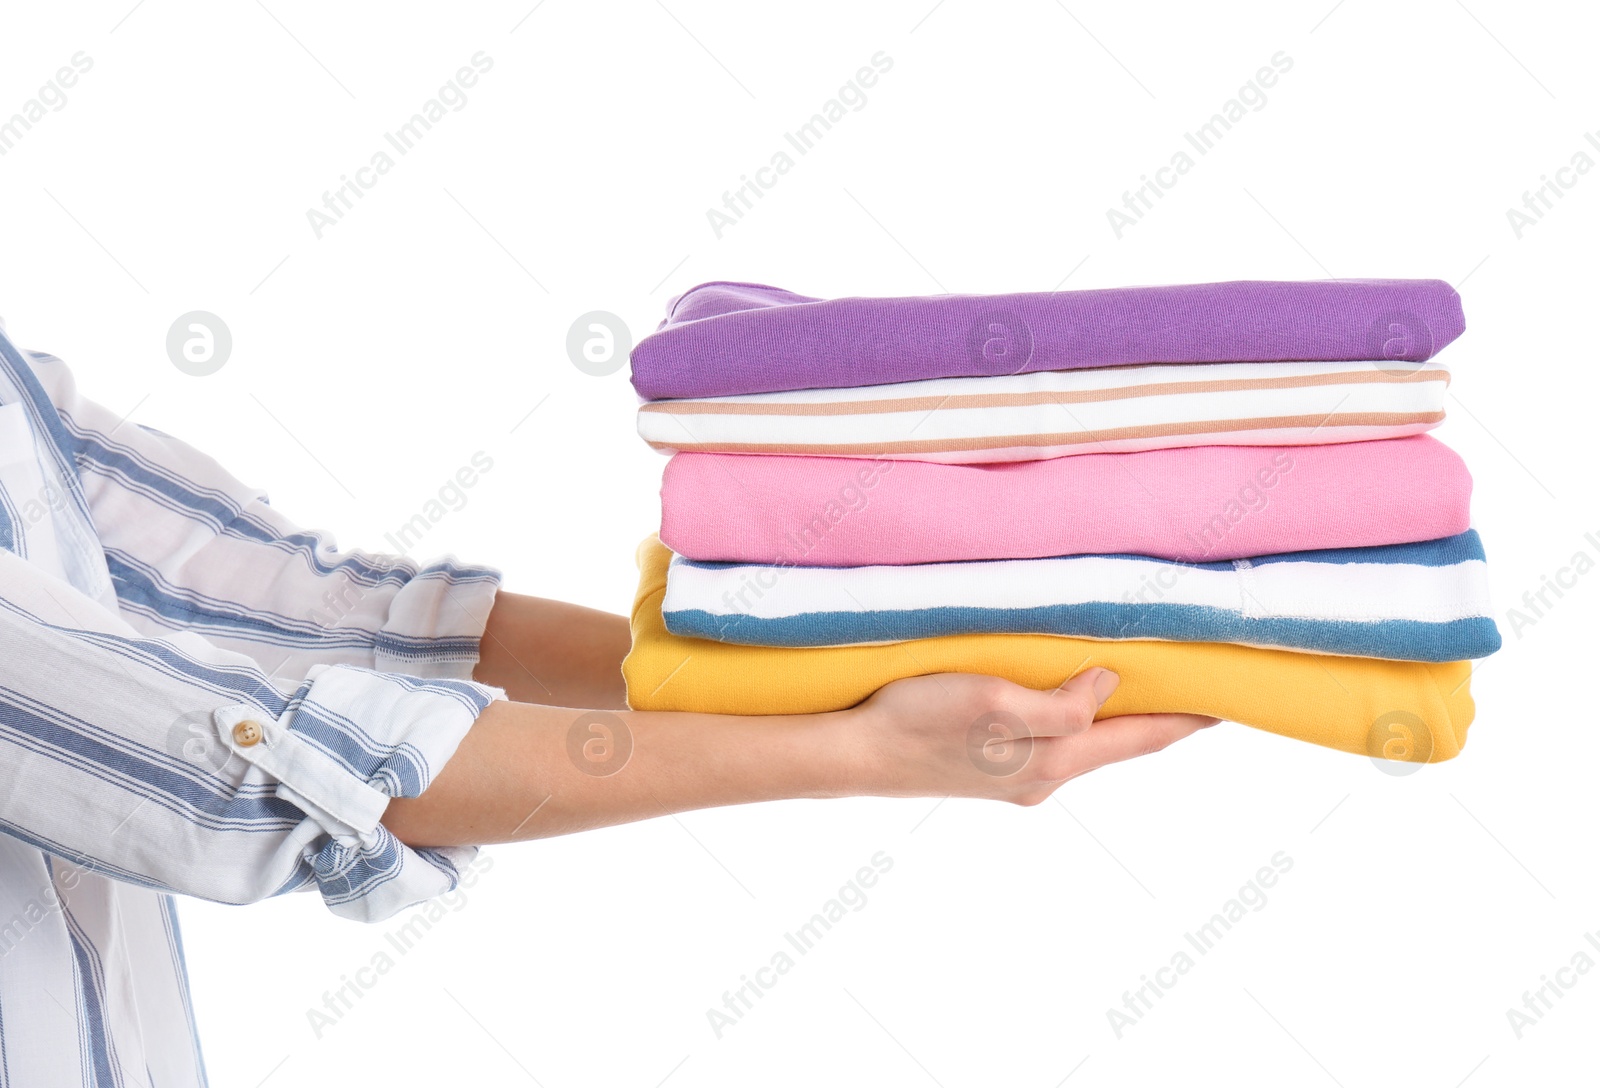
554, 653
526, 772
195, 550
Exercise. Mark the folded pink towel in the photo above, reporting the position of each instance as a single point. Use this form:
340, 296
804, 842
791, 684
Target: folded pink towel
1198, 503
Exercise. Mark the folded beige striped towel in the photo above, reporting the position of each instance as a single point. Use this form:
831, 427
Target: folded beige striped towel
1027, 417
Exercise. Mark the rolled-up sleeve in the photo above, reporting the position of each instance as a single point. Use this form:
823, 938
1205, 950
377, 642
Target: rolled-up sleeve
233, 726
178, 765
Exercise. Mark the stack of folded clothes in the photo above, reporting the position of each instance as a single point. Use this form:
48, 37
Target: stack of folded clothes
1222, 492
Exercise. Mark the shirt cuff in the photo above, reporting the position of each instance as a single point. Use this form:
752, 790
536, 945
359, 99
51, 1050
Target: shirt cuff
350, 740
436, 621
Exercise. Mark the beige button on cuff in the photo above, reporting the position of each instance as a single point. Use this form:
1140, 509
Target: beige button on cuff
312, 779
247, 732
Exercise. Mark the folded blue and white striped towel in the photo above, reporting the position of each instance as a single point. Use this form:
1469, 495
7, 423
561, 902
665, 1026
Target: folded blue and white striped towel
1412, 602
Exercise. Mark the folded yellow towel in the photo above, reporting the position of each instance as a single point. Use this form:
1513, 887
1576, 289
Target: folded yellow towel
1407, 710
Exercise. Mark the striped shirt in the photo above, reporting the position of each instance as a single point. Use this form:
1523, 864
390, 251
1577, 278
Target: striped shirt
199, 698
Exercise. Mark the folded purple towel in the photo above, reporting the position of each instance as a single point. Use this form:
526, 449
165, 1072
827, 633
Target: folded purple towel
722, 339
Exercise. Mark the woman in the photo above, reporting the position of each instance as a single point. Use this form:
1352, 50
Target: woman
198, 697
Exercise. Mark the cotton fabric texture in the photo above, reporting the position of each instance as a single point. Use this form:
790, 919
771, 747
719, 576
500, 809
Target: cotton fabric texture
1019, 417
1413, 602
1420, 710
1199, 504
720, 339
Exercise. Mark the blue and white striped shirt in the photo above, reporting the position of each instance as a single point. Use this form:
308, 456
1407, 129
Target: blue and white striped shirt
196, 697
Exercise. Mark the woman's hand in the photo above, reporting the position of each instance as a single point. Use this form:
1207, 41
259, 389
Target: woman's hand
980, 736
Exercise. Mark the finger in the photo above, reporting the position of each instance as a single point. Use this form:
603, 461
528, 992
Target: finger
1070, 708
1112, 740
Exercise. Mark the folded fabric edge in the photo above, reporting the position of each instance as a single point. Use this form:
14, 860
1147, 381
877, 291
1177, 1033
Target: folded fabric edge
1393, 734
1464, 639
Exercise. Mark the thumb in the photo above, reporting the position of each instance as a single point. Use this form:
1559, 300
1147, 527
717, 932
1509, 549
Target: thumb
1085, 693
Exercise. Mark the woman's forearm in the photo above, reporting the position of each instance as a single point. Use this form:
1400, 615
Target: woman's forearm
526, 772
554, 653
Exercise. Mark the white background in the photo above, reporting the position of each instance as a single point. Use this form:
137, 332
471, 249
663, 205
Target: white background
370, 364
